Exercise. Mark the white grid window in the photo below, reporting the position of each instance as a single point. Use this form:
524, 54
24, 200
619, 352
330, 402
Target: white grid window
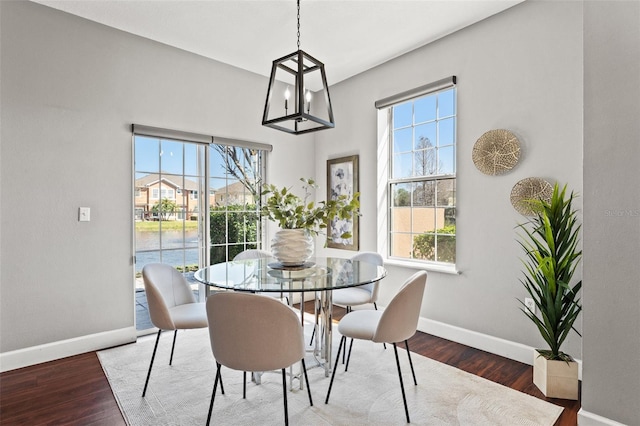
421, 189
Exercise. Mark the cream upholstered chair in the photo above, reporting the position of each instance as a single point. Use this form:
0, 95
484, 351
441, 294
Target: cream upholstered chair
252, 254
397, 323
259, 254
360, 295
172, 305
240, 342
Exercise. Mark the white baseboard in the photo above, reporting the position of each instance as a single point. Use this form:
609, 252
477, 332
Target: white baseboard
64, 348
586, 418
494, 345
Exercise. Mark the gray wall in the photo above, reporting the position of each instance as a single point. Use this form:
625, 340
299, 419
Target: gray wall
520, 70
611, 342
70, 90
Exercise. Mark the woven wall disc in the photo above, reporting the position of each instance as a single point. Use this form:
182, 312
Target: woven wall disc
530, 189
496, 152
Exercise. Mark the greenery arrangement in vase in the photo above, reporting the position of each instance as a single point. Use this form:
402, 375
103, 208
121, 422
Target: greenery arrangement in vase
308, 218
552, 256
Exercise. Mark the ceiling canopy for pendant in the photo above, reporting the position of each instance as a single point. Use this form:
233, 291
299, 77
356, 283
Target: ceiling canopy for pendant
291, 105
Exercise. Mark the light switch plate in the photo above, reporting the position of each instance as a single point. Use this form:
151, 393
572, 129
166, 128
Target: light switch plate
84, 214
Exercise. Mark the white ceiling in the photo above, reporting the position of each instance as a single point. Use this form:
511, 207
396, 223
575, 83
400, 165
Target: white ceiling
348, 36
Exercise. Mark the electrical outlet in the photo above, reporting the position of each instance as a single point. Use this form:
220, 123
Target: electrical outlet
530, 304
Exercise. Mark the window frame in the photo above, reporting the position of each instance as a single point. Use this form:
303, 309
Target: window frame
385, 168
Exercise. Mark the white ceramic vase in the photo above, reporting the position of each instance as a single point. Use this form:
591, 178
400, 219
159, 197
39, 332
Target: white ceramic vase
292, 247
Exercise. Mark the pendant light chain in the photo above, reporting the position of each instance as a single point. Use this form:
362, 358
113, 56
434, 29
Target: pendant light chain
298, 24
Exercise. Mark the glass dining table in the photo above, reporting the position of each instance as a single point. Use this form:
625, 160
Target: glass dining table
320, 275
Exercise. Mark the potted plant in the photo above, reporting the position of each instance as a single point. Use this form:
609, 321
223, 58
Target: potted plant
550, 242
300, 220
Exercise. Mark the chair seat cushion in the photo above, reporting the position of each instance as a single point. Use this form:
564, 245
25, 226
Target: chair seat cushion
189, 315
351, 296
360, 324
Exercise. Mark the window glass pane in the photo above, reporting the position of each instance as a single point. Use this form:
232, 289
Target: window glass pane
446, 160
446, 192
425, 109
424, 219
190, 160
400, 245
217, 162
402, 165
424, 246
426, 136
402, 140
401, 194
402, 115
446, 248
424, 193
171, 157
425, 162
446, 129
446, 103
147, 151
218, 253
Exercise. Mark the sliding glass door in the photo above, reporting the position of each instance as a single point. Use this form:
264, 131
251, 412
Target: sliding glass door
170, 213
196, 203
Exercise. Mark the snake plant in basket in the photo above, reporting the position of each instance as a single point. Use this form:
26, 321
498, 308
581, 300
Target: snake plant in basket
550, 241
300, 220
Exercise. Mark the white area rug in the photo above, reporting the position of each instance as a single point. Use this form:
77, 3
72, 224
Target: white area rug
368, 394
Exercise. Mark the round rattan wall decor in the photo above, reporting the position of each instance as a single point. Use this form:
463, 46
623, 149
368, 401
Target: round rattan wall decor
530, 189
496, 152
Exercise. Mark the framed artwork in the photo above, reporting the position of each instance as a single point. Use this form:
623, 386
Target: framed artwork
342, 179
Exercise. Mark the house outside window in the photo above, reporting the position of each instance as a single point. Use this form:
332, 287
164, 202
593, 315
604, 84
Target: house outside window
421, 184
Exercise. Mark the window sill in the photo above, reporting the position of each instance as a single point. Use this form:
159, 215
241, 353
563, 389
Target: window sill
423, 266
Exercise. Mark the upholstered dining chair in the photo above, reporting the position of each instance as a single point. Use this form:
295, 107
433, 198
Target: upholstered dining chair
252, 254
397, 323
349, 297
172, 305
240, 342
361, 295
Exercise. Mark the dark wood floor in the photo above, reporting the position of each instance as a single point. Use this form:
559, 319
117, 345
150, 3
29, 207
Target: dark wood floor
75, 391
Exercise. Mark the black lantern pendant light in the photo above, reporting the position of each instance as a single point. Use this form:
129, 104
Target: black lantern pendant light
293, 105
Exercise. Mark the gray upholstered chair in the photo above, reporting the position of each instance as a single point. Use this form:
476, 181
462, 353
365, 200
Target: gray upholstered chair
397, 323
172, 305
239, 342
360, 295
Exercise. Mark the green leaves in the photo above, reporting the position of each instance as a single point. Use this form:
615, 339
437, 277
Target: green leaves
292, 212
550, 243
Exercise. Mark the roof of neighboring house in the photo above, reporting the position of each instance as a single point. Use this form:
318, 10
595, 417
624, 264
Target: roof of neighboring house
234, 188
153, 178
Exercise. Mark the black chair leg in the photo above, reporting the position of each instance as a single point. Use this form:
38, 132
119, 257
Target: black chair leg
175, 334
335, 367
213, 394
244, 385
284, 392
349, 357
313, 334
306, 379
404, 398
146, 383
406, 345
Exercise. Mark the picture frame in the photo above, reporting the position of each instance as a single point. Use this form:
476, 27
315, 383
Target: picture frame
342, 179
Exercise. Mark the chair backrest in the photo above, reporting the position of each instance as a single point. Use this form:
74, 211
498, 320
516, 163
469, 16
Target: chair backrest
375, 258
166, 288
252, 254
251, 332
399, 320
